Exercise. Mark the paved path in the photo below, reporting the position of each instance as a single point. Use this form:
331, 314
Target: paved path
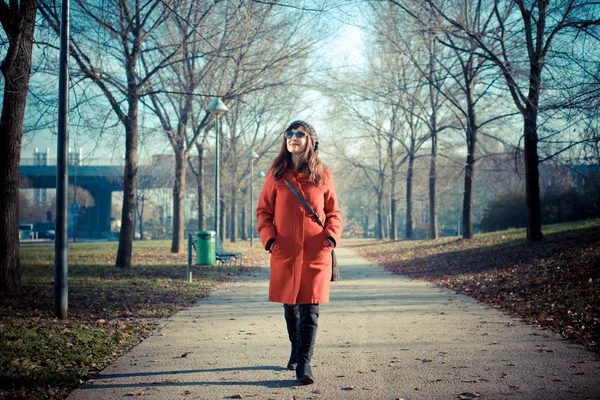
381, 337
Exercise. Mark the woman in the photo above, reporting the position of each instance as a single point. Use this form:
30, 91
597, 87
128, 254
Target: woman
300, 248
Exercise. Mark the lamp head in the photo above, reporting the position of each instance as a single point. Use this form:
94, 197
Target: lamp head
217, 107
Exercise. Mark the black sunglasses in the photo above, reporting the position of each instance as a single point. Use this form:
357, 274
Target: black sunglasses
291, 134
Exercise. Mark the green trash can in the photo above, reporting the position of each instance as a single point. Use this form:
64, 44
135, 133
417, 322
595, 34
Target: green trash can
206, 248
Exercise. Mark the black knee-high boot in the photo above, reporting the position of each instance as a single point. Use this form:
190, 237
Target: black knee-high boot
292, 320
309, 315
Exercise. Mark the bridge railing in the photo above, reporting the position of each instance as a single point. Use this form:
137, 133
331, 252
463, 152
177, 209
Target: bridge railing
83, 163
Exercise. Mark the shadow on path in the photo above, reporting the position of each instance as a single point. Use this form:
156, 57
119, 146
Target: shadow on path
193, 371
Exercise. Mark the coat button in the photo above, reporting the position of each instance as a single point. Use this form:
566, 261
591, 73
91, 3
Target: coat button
276, 247
326, 243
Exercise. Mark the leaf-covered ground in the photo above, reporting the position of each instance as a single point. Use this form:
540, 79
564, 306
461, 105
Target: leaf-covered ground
110, 310
554, 284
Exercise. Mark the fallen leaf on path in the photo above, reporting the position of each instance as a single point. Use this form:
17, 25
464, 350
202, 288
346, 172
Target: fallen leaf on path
136, 393
467, 396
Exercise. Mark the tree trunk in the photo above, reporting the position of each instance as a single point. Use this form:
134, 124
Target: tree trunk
380, 234
178, 201
233, 211
16, 69
142, 220
467, 222
233, 218
200, 187
393, 219
244, 229
433, 97
129, 187
222, 219
532, 177
393, 177
234, 182
409, 182
471, 136
386, 227
433, 222
135, 215
467, 216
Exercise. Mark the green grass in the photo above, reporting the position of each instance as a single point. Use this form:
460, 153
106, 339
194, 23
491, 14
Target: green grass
110, 310
554, 284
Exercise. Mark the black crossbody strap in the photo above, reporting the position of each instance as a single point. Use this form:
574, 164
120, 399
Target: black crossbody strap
304, 203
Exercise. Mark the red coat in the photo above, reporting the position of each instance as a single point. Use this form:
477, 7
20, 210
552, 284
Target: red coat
301, 253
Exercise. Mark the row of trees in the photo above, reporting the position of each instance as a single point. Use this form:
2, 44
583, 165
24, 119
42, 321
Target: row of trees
439, 70
442, 80
152, 67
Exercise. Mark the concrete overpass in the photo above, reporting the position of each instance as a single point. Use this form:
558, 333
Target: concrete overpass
98, 177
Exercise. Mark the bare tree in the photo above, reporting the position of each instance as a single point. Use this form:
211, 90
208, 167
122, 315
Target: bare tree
158, 175
503, 31
18, 23
121, 31
359, 107
424, 78
172, 94
261, 118
470, 73
404, 90
265, 54
427, 61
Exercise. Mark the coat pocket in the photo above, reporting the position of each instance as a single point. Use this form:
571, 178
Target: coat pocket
326, 245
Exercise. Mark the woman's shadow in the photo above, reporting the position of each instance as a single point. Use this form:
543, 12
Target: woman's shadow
167, 378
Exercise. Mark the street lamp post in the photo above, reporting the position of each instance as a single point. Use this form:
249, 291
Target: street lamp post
252, 154
217, 107
261, 175
61, 267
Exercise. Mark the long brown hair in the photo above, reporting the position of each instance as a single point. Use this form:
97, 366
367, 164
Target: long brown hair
308, 163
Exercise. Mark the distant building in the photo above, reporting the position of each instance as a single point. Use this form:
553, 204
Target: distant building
563, 176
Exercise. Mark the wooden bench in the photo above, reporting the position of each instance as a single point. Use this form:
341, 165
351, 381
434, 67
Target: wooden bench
223, 256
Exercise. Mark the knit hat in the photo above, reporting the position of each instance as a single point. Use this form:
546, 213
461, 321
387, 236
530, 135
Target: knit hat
309, 128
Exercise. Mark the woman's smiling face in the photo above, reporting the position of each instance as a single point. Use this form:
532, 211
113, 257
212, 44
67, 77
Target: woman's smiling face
296, 145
